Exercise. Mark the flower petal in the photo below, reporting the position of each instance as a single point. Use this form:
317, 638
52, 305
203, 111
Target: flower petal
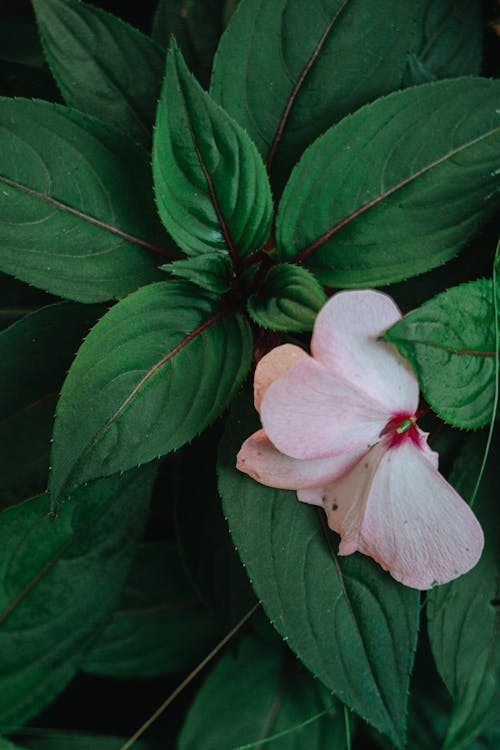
397, 508
262, 461
310, 413
272, 366
345, 341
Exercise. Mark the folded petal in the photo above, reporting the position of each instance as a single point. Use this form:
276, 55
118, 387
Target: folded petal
262, 461
397, 508
310, 413
345, 341
273, 365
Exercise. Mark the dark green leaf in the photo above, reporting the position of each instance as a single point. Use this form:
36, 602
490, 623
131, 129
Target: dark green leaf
204, 541
23, 69
397, 188
211, 184
59, 740
160, 625
268, 692
77, 218
287, 74
464, 615
288, 300
157, 369
448, 41
60, 579
196, 25
450, 343
35, 353
210, 271
351, 624
103, 66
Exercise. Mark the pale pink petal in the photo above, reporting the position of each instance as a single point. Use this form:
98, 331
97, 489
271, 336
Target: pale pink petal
262, 461
273, 365
397, 508
310, 413
345, 341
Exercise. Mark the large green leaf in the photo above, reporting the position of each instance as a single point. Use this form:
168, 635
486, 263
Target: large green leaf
351, 624
60, 579
160, 625
447, 42
103, 66
464, 615
77, 217
35, 353
155, 371
286, 72
288, 300
450, 343
211, 184
405, 182
269, 693
196, 25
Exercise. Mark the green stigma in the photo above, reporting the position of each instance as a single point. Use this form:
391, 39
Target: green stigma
404, 426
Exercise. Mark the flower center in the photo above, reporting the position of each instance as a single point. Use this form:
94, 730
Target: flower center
400, 428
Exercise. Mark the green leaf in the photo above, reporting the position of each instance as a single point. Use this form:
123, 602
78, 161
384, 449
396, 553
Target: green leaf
211, 184
405, 183
196, 25
157, 369
78, 218
35, 353
204, 542
103, 66
450, 343
464, 615
51, 739
289, 299
60, 579
210, 271
160, 625
352, 625
286, 75
269, 693
448, 41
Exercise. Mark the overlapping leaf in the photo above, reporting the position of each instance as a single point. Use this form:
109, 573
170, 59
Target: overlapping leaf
351, 624
160, 625
450, 343
211, 184
35, 353
211, 271
448, 41
464, 615
103, 66
286, 73
154, 372
60, 579
269, 692
398, 187
289, 299
77, 214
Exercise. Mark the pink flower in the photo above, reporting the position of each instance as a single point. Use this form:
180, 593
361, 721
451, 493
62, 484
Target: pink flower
340, 429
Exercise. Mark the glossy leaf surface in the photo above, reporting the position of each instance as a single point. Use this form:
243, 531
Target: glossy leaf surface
270, 693
160, 625
103, 66
450, 343
464, 615
211, 184
405, 182
157, 369
353, 626
50, 604
77, 208
289, 299
286, 75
